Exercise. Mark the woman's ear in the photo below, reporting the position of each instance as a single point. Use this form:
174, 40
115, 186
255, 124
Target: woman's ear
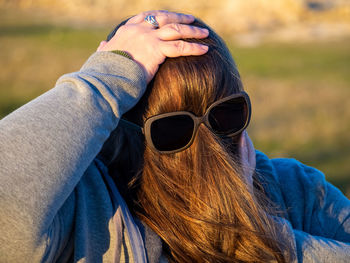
102, 44
247, 154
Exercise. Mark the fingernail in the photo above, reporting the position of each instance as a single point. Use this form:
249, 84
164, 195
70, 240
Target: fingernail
204, 47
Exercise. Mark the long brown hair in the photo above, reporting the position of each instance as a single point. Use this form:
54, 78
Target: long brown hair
198, 200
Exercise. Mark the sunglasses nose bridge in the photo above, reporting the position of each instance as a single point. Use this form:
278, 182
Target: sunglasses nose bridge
199, 121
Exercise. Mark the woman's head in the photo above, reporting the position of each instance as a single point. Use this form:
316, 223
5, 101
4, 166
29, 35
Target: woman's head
191, 83
196, 200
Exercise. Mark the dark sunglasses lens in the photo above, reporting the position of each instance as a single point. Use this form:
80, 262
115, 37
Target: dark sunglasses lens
172, 133
229, 117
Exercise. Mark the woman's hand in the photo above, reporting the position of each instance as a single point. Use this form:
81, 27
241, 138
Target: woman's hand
248, 159
150, 46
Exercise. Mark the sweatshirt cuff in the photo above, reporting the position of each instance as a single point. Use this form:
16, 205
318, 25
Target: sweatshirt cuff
124, 77
105, 62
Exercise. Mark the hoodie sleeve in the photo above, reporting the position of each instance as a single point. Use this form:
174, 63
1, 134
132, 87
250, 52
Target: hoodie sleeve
313, 205
317, 213
47, 144
311, 248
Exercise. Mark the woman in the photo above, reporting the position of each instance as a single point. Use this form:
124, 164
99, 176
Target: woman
197, 193
59, 203
188, 191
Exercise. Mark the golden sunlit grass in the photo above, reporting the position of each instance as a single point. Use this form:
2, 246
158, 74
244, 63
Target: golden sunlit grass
299, 91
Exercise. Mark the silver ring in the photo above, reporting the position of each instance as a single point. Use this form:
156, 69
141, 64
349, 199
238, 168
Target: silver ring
152, 20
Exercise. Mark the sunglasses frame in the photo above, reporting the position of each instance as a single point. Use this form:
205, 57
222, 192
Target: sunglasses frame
146, 130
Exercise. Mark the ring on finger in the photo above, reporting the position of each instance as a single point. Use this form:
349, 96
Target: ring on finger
152, 20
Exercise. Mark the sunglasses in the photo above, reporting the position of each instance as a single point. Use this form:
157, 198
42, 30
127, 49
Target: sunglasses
175, 131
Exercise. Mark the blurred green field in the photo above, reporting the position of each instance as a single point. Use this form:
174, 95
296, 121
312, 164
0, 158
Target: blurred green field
299, 91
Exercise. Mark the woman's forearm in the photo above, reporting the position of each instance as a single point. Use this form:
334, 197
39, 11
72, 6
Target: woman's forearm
47, 144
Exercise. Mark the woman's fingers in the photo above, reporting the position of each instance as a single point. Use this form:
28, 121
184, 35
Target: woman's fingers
149, 45
248, 160
251, 151
171, 47
247, 150
177, 31
181, 48
163, 17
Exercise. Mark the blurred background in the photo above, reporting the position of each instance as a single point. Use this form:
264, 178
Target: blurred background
293, 55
